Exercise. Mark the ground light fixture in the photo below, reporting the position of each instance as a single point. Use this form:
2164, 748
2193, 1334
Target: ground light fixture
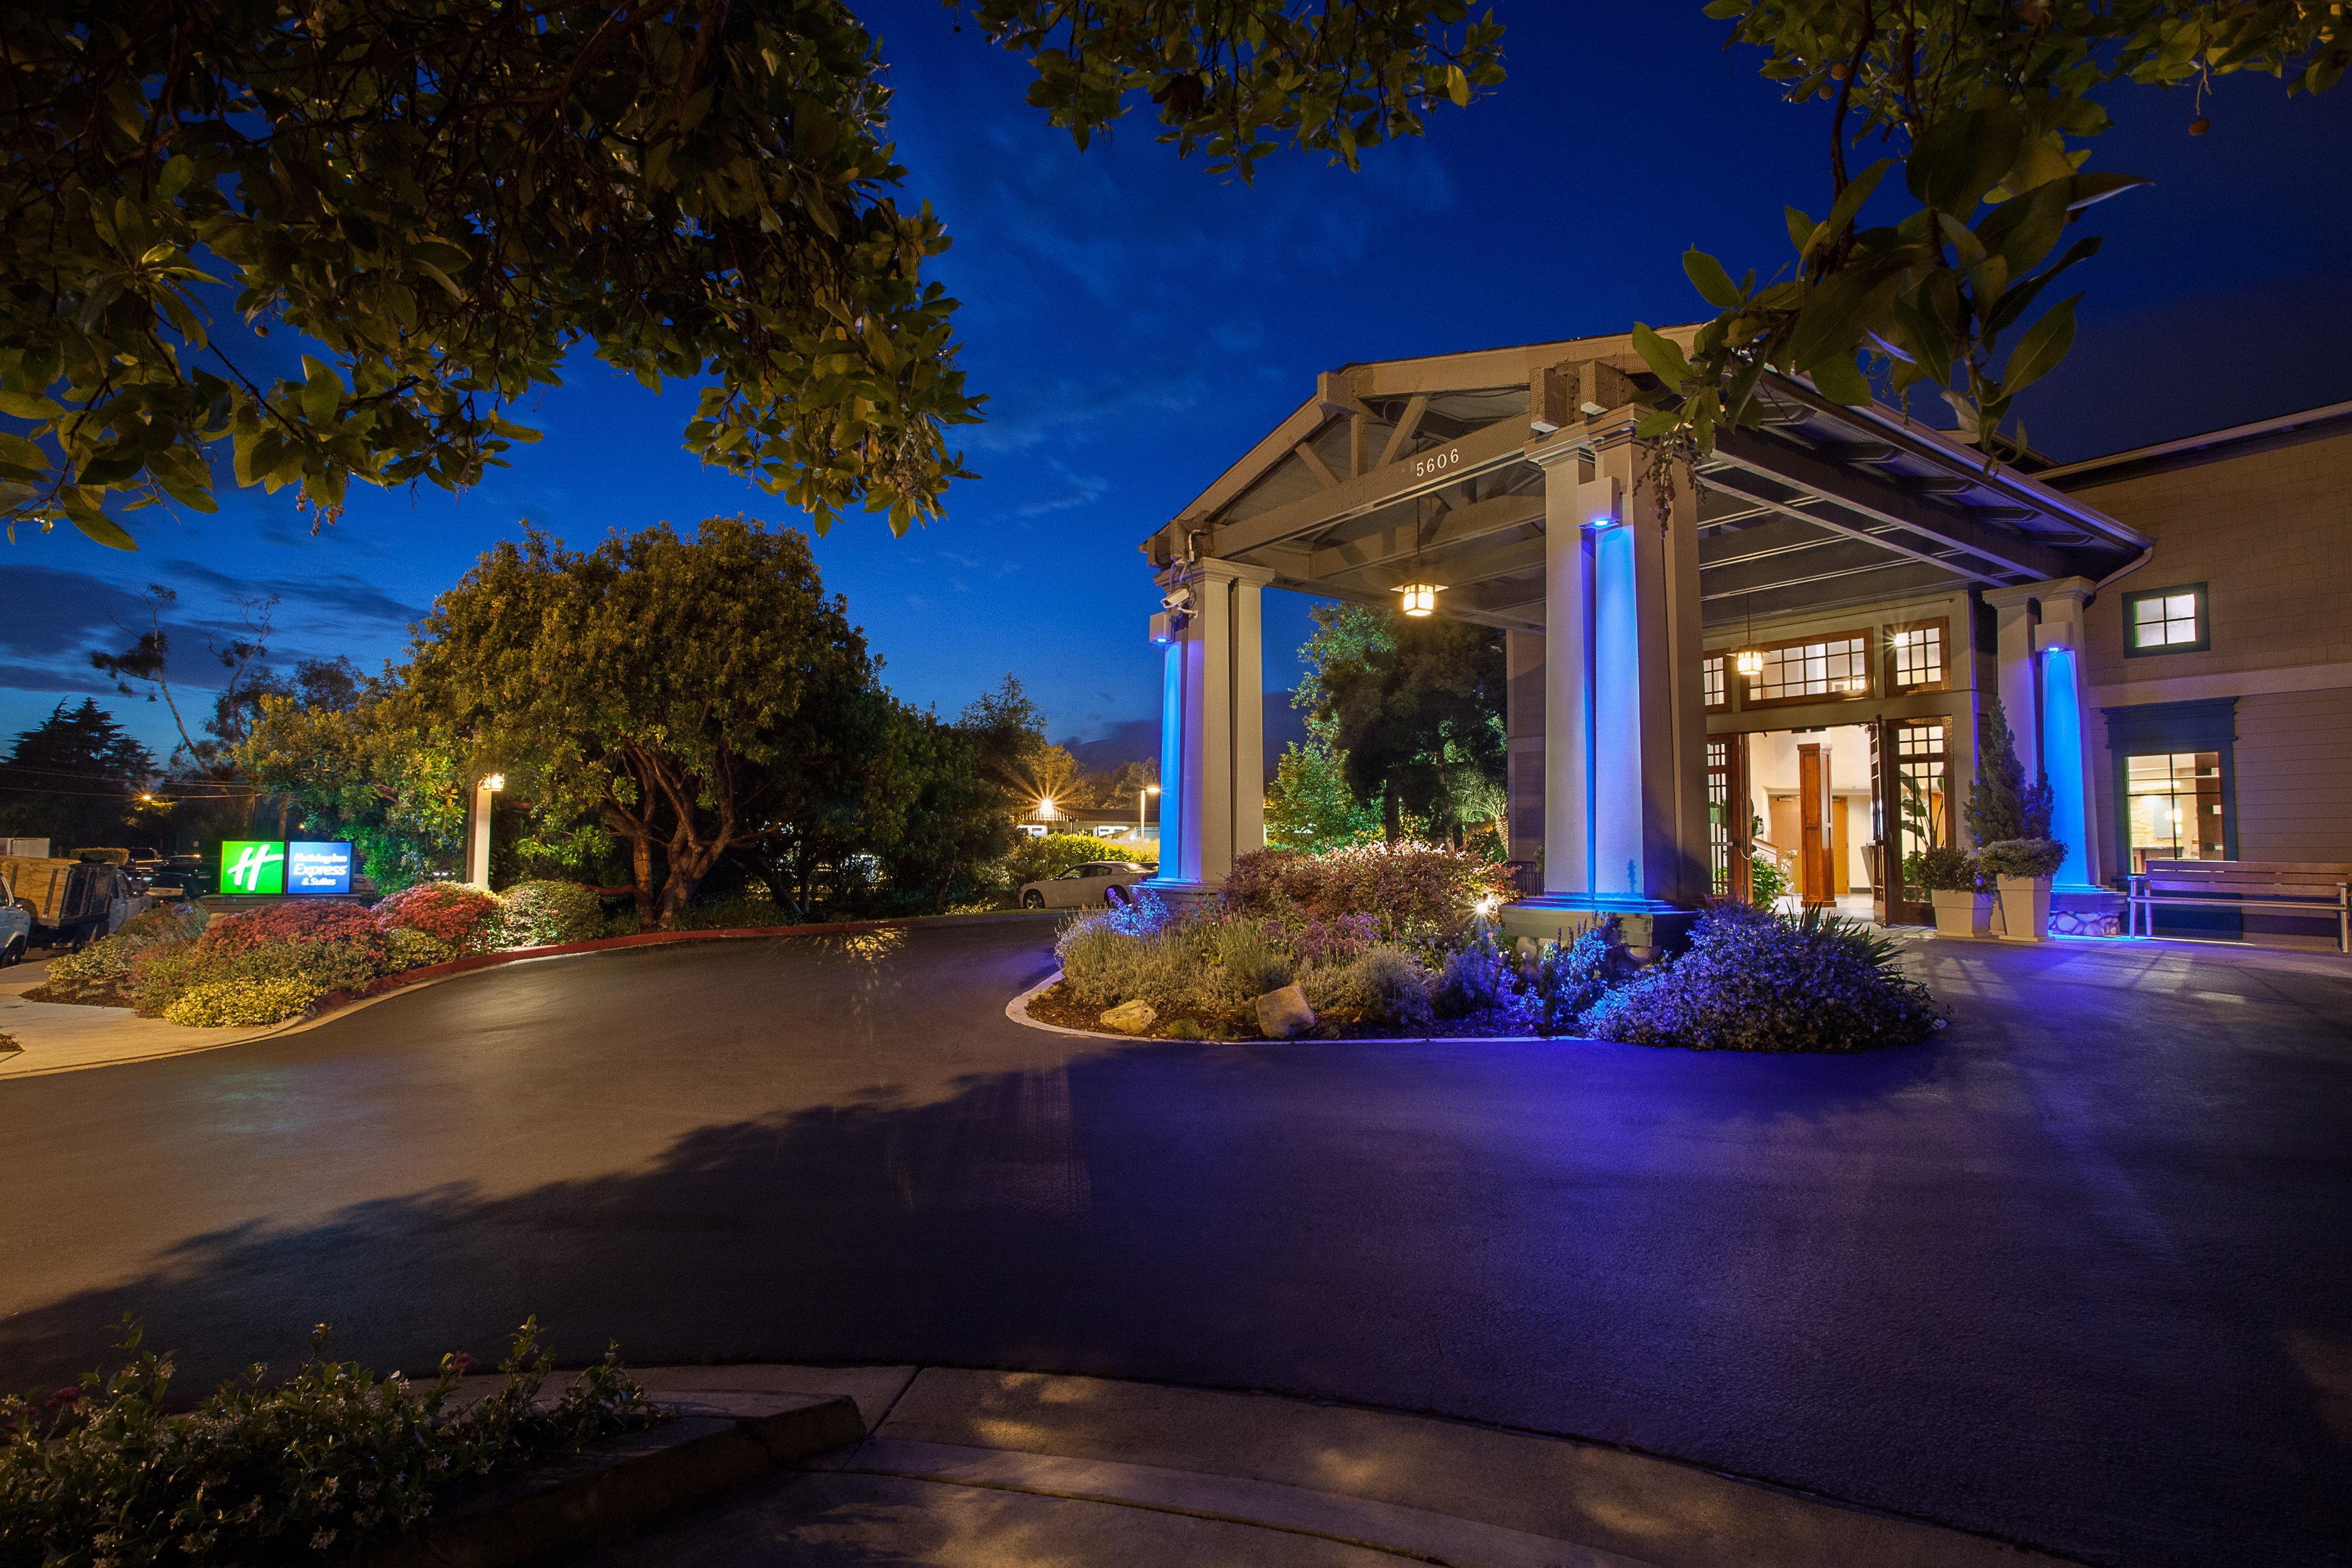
1421, 598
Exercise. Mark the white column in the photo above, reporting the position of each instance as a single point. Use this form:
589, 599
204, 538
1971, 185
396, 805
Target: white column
478, 836
1624, 718
2040, 645
1212, 726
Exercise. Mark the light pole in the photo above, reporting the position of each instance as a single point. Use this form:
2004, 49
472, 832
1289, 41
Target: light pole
1140, 796
478, 846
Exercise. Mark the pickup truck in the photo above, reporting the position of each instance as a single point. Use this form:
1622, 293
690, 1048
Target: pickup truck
70, 902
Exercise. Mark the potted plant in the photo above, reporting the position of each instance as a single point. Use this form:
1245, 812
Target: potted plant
1956, 886
2010, 820
2023, 869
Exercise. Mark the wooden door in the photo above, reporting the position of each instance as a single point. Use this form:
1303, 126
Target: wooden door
1814, 885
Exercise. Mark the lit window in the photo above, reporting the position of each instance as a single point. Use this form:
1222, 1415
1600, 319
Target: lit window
2169, 620
1830, 666
2173, 807
1919, 656
1712, 678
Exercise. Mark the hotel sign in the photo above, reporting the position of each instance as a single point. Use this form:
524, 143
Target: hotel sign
267, 867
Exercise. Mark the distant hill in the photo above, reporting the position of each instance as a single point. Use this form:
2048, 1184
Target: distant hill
1137, 739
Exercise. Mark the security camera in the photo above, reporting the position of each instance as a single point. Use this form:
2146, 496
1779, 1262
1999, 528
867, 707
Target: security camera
1177, 600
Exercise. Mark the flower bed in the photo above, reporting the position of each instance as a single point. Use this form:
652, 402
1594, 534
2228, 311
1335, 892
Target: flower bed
1417, 958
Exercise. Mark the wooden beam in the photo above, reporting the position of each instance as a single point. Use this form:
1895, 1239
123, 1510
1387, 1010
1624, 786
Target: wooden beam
1499, 444
1876, 498
1758, 541
1359, 445
1763, 574
1336, 393
1307, 455
1475, 520
1401, 437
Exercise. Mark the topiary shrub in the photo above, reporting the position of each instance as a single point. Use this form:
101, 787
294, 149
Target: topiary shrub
1751, 981
543, 914
1947, 869
240, 1004
461, 917
2022, 858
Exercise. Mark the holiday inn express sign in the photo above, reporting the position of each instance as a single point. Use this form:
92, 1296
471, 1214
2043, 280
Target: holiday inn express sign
267, 867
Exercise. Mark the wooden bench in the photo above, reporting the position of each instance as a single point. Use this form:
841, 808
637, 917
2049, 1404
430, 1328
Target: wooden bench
2309, 889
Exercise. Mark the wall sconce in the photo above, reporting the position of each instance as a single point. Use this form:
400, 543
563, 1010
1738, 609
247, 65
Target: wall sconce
1421, 598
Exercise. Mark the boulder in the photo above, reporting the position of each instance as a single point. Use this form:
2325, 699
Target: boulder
1283, 1014
1130, 1018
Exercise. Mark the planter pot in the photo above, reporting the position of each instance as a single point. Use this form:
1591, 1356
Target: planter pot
2025, 909
1962, 914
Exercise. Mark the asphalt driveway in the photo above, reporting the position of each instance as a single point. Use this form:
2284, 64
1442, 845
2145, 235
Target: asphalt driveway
2077, 1274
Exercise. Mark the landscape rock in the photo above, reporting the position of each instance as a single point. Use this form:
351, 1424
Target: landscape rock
1283, 1014
1130, 1018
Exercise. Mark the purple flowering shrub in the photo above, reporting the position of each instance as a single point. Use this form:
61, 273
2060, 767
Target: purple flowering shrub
1755, 981
1335, 940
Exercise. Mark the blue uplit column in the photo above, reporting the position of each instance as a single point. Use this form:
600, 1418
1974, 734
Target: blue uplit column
1174, 840
1212, 726
2039, 656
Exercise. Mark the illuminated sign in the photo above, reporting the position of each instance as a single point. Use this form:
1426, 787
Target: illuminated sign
268, 868
253, 867
319, 867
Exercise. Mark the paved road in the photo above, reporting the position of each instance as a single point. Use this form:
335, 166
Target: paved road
2077, 1274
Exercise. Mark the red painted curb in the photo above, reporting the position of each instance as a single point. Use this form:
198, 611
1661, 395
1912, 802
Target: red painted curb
335, 1001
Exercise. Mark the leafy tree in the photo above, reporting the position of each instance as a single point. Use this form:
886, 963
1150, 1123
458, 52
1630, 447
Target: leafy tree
76, 778
371, 769
1006, 730
655, 687
1984, 105
438, 199
954, 830
1416, 708
2001, 804
1309, 805
1121, 787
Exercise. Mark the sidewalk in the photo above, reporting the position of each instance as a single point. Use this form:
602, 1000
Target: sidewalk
1015, 1469
60, 1036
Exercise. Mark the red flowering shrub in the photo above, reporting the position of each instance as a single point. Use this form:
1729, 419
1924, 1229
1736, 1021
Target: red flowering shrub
319, 922
1413, 892
447, 911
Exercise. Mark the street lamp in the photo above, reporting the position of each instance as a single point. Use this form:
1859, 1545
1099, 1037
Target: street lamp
1146, 793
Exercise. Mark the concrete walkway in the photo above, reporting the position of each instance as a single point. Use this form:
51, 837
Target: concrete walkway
60, 1036
1014, 1469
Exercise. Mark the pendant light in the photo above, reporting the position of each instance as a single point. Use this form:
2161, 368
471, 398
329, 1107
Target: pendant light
1750, 660
1421, 597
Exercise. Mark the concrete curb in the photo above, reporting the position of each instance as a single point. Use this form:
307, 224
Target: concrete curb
1018, 1011
619, 1487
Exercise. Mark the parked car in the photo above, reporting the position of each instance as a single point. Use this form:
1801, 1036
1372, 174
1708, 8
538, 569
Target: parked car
180, 878
1095, 882
16, 925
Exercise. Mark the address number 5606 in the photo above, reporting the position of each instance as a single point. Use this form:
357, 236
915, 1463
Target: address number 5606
1435, 462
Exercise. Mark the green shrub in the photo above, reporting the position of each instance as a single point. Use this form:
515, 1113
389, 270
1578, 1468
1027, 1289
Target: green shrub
100, 972
1415, 893
309, 1470
413, 949
1398, 985
1752, 981
1477, 978
240, 1004
162, 973
1253, 957
1108, 957
543, 914
1571, 976
1945, 869
745, 910
2022, 858
462, 918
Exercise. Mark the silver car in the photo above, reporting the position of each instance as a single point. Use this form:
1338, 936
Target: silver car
1095, 882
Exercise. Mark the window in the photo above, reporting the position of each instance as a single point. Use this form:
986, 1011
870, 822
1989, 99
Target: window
1718, 815
2172, 808
1919, 660
1837, 666
1714, 679
1922, 797
2167, 620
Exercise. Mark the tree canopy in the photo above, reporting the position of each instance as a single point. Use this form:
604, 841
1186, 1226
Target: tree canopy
78, 779
1981, 106
439, 199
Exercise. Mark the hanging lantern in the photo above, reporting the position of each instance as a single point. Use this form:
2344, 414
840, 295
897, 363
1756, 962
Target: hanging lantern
1748, 662
1421, 598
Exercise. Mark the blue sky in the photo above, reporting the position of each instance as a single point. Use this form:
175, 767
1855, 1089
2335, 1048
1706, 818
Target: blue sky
1137, 324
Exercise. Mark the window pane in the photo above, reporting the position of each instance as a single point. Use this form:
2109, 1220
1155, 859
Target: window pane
2173, 809
1832, 667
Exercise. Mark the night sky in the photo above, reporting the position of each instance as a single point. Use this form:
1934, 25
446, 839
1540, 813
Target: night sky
1137, 324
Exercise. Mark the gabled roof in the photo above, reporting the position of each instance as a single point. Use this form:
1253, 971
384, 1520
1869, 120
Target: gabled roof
1429, 463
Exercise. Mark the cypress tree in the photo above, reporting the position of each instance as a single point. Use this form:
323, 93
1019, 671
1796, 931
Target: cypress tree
2001, 805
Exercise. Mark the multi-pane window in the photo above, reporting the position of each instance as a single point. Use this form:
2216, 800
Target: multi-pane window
1921, 786
1718, 815
1715, 679
2168, 620
1919, 656
2173, 807
1835, 666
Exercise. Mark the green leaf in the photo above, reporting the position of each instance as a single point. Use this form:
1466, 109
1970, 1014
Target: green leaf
1458, 86
1962, 156
1850, 200
1712, 283
1800, 228
1841, 381
102, 530
29, 406
1662, 355
2086, 189
2038, 353
1656, 423
323, 390
2019, 297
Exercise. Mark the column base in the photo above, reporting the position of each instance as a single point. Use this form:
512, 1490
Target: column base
1646, 924
1177, 893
